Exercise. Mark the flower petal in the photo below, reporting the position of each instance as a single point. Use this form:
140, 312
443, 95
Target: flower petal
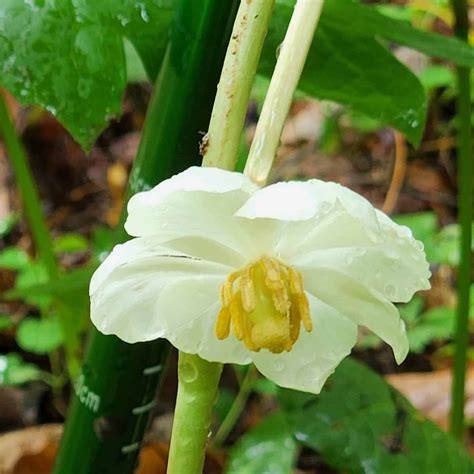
191, 318
361, 304
312, 214
397, 269
303, 200
315, 355
125, 289
197, 202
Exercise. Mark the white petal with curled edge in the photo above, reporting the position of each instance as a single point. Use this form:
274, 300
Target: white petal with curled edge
315, 355
303, 200
126, 288
361, 304
197, 202
395, 269
312, 214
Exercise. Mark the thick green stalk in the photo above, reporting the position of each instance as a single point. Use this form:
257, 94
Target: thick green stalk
465, 217
116, 390
197, 387
240, 66
28, 191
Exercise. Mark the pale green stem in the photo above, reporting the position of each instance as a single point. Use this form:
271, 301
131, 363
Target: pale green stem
233, 92
237, 406
198, 379
197, 388
283, 84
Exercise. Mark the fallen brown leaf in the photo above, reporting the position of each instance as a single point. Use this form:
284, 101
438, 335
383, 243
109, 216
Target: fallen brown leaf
30, 450
430, 392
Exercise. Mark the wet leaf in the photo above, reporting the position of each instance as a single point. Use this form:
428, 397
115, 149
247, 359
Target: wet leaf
341, 67
81, 77
360, 424
267, 449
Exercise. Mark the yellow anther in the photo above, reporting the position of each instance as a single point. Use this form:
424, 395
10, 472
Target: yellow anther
266, 308
247, 290
223, 323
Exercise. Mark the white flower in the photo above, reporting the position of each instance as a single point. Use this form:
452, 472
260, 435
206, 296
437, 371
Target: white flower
229, 271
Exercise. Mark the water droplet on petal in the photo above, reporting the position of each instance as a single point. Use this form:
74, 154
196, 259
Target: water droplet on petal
325, 206
389, 291
279, 366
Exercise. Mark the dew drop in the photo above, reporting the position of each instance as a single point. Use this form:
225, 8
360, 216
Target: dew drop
143, 12
325, 206
188, 373
389, 291
279, 366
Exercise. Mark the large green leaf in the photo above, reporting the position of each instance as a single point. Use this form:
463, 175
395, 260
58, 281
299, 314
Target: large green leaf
368, 21
267, 449
68, 55
360, 424
353, 69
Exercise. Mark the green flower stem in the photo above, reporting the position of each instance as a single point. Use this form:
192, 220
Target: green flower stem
237, 406
465, 202
233, 92
39, 230
29, 192
198, 379
197, 389
285, 78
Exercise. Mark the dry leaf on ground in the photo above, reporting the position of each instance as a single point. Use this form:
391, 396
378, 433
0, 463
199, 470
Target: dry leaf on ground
430, 392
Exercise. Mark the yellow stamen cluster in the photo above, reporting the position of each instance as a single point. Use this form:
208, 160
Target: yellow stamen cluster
265, 305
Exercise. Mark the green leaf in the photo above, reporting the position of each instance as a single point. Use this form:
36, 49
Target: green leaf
7, 224
13, 258
367, 20
68, 285
14, 371
434, 76
70, 243
135, 69
267, 449
39, 336
5, 322
29, 277
69, 57
446, 244
436, 323
360, 424
341, 67
411, 310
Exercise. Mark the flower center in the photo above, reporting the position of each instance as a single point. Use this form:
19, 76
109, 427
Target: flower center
265, 304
